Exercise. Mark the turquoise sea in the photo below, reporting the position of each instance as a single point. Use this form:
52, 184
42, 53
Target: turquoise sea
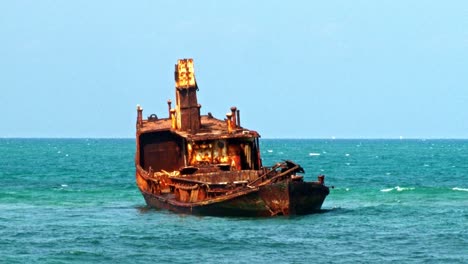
75, 201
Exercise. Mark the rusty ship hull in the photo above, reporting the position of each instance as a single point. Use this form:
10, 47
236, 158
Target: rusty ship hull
283, 198
198, 164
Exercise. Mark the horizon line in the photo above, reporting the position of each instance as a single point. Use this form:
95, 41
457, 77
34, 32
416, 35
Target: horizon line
270, 138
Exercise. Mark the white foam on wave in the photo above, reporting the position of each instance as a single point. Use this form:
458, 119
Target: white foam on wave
398, 189
270, 151
314, 154
460, 189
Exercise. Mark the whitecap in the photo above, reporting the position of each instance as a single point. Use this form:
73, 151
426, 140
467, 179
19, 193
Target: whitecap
400, 189
270, 151
347, 155
460, 189
347, 163
64, 185
314, 154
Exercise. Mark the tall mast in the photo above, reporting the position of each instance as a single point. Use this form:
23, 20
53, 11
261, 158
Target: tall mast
187, 107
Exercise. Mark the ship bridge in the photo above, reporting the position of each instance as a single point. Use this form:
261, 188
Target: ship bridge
187, 139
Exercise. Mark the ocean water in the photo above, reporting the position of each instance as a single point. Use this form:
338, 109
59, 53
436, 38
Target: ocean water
75, 201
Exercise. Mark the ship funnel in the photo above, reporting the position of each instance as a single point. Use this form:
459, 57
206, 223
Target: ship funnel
234, 118
187, 107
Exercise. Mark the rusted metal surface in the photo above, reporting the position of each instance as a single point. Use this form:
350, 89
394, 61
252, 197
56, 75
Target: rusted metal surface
187, 107
193, 163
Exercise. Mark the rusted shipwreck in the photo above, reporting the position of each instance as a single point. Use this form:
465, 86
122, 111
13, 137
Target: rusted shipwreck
198, 164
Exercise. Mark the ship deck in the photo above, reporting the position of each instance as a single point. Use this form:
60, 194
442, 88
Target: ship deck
211, 128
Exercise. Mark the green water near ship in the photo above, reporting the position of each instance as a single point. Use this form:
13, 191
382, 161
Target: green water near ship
75, 201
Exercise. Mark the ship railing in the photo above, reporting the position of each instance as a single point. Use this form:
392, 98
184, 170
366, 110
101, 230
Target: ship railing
288, 169
210, 187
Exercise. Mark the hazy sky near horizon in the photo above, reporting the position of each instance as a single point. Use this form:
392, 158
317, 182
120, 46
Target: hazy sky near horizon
295, 69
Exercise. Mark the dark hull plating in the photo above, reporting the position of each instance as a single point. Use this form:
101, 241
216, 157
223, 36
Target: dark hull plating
284, 198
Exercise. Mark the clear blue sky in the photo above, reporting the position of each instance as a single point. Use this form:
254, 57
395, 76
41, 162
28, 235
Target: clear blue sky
295, 69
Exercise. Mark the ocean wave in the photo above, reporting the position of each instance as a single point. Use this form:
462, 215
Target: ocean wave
398, 189
460, 189
314, 154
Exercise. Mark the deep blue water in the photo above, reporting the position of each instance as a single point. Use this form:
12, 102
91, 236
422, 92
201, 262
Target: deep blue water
75, 201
